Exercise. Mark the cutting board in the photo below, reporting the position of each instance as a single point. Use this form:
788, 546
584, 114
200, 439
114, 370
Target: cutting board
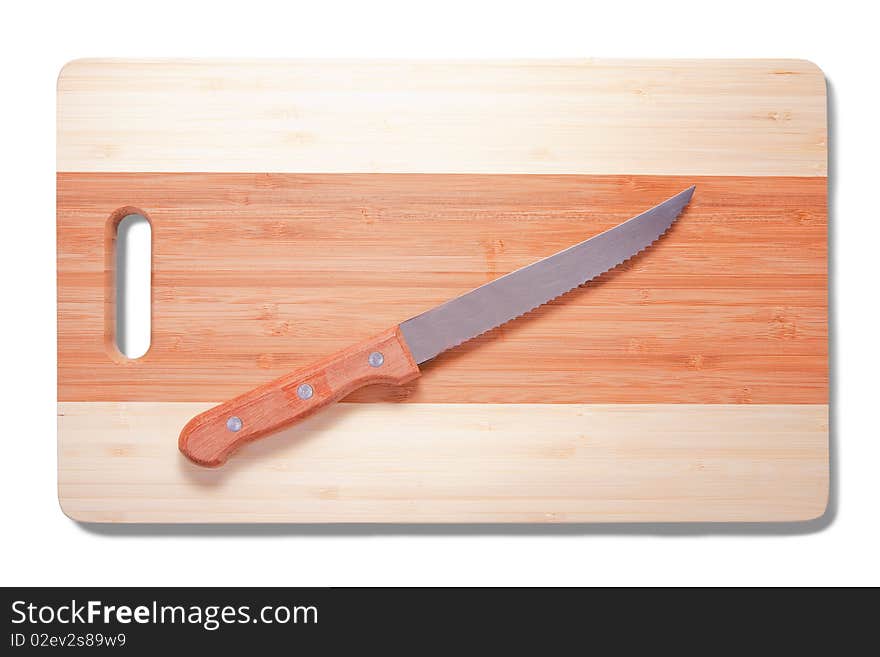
300, 206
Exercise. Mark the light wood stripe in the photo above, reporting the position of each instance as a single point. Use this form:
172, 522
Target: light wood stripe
695, 117
455, 463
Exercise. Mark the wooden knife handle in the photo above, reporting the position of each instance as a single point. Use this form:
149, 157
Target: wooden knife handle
211, 437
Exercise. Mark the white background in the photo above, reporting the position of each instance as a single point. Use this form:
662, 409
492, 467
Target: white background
40, 546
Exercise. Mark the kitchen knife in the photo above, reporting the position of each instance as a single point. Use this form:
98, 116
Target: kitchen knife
394, 356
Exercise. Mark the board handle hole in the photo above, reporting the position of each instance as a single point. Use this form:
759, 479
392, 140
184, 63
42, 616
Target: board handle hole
132, 268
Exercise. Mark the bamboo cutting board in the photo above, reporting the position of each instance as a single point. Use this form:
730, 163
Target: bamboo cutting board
298, 207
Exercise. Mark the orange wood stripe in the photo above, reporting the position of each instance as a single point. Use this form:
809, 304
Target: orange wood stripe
256, 274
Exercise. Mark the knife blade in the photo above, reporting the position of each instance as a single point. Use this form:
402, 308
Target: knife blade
394, 355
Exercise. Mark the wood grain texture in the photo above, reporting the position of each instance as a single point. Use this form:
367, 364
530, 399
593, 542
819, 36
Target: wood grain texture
541, 463
208, 441
690, 385
255, 276
695, 117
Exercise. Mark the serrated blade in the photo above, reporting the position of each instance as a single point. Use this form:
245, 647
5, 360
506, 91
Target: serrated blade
518, 292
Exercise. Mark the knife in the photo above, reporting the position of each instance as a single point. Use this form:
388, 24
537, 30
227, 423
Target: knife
395, 355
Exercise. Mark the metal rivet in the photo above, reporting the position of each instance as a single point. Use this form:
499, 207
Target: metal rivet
305, 391
376, 359
234, 423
